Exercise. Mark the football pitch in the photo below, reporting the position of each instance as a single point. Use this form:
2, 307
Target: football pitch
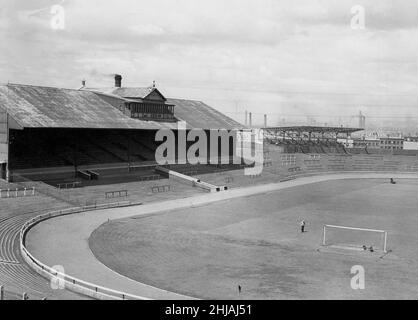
255, 242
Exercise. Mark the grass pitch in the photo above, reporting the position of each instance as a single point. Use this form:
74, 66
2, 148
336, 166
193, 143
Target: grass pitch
255, 242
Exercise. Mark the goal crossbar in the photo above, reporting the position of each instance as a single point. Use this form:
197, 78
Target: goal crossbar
353, 228
385, 234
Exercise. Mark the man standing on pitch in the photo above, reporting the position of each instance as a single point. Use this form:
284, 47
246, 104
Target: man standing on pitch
302, 226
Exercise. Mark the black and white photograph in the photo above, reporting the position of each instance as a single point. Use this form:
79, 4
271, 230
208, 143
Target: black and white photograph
192, 151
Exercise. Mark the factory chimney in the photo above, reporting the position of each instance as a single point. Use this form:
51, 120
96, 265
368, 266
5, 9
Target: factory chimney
362, 120
118, 80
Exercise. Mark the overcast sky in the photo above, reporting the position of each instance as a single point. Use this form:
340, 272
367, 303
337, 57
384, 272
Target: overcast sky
267, 56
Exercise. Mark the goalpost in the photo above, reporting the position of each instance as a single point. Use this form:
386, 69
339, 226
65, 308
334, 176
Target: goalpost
354, 237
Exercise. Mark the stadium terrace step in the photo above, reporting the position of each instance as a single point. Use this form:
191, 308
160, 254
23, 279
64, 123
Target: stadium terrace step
15, 275
336, 167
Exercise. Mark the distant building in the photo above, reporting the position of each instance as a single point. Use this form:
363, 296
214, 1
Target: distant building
390, 143
410, 143
411, 139
347, 143
369, 143
385, 143
362, 121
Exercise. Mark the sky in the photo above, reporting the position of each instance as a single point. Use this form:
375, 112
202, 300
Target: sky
300, 59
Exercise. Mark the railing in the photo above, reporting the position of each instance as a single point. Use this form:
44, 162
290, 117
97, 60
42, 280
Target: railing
72, 283
17, 192
12, 295
44, 188
116, 194
161, 189
69, 185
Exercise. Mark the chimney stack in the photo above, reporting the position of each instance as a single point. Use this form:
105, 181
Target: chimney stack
118, 80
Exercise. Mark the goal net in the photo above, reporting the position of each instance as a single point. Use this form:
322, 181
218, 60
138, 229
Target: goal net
355, 238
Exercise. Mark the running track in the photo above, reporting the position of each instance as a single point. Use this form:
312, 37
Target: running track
15, 275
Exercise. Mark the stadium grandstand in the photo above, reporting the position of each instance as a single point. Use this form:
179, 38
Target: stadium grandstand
309, 139
61, 135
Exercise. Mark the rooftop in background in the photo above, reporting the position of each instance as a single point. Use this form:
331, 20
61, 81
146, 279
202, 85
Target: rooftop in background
391, 138
314, 129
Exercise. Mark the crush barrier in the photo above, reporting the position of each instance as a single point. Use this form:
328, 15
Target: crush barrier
161, 189
17, 192
69, 185
13, 295
116, 194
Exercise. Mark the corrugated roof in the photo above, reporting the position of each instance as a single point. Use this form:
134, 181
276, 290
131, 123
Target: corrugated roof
200, 115
46, 107
125, 92
314, 129
33, 106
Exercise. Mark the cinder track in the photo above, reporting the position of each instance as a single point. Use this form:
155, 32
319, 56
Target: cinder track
15, 275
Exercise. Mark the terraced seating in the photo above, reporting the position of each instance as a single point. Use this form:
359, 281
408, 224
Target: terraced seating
38, 161
138, 191
311, 146
83, 148
104, 149
358, 151
15, 275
